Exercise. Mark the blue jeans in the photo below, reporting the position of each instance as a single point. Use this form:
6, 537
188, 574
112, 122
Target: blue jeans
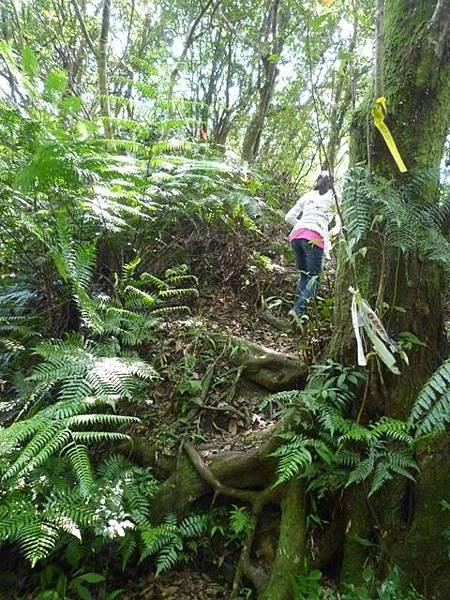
308, 259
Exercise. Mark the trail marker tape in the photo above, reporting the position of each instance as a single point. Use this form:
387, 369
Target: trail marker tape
379, 112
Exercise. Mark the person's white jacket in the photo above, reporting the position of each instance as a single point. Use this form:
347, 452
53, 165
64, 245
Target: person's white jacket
315, 211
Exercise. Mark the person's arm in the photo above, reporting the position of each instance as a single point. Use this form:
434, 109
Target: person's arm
292, 215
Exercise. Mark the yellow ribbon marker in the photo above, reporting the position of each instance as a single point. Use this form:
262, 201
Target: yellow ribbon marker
328, 2
379, 112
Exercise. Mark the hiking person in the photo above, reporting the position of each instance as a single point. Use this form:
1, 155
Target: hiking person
310, 238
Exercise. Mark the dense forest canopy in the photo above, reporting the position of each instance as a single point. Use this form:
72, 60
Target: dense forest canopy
167, 430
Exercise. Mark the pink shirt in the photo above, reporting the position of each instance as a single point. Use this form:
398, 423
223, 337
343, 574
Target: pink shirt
307, 234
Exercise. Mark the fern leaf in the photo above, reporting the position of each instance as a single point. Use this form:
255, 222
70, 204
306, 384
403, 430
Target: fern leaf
37, 540
293, 458
380, 477
361, 472
43, 439
431, 411
81, 467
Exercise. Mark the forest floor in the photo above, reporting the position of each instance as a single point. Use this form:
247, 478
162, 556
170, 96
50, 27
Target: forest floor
232, 412
178, 585
191, 349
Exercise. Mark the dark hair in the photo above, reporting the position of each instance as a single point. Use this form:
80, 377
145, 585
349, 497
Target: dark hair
323, 184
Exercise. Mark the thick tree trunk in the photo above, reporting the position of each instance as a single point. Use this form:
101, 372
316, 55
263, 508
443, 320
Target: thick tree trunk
289, 559
416, 82
417, 88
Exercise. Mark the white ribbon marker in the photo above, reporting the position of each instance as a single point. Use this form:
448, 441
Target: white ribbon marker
365, 321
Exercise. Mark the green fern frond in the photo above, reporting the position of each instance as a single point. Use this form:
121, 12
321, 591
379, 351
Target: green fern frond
14, 516
149, 278
392, 429
49, 438
168, 556
166, 542
170, 311
403, 463
81, 467
347, 458
67, 525
37, 540
193, 526
363, 470
293, 457
94, 437
96, 419
165, 146
431, 411
357, 204
128, 547
174, 277
435, 247
171, 293
138, 298
380, 476
354, 432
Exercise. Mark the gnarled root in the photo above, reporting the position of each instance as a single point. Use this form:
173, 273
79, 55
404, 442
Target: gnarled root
291, 544
274, 371
247, 470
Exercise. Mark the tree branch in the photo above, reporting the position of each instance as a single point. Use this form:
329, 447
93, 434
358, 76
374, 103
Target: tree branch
189, 40
439, 25
379, 48
440, 13
240, 37
82, 23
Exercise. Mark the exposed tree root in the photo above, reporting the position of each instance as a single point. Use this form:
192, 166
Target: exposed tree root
291, 544
257, 500
219, 488
274, 321
245, 471
271, 370
245, 566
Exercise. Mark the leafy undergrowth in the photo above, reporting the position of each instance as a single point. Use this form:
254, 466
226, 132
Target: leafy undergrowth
121, 283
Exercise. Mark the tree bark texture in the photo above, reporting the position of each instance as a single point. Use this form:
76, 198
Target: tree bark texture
273, 32
102, 68
416, 83
417, 88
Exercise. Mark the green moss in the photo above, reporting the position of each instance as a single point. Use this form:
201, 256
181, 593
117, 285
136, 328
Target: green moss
358, 533
290, 554
422, 553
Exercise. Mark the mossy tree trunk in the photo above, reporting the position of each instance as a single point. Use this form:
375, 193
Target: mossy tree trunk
416, 84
